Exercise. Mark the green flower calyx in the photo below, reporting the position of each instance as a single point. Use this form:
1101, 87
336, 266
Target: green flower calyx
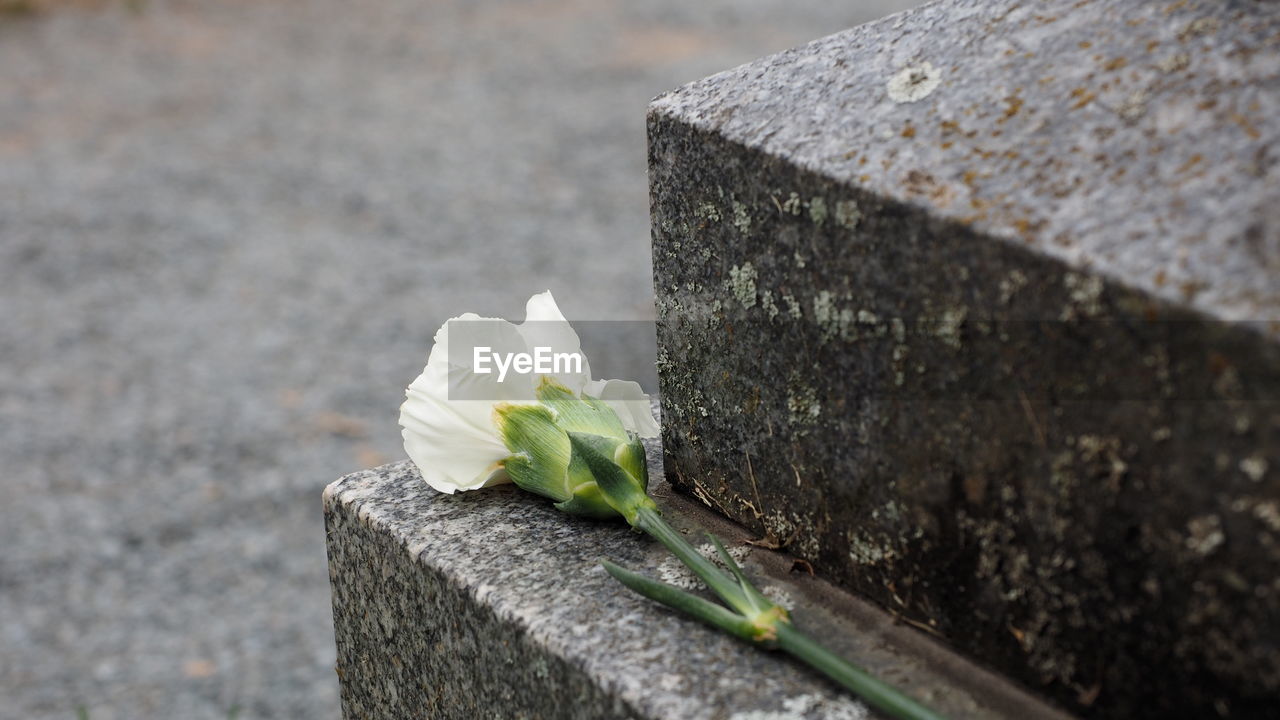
545, 460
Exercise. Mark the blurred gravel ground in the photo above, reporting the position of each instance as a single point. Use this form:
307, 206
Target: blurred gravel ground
228, 230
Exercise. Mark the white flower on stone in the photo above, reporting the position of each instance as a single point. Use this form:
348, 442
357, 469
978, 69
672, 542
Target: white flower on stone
454, 442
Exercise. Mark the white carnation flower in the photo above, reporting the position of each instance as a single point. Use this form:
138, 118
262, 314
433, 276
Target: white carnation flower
454, 442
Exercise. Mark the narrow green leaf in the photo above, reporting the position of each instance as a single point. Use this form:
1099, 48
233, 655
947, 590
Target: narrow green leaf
721, 584
727, 559
758, 600
700, 608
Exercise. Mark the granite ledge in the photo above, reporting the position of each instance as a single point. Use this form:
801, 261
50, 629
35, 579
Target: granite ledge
524, 596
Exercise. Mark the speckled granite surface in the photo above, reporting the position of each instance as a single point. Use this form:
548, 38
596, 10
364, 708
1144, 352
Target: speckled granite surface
1136, 139
491, 604
975, 308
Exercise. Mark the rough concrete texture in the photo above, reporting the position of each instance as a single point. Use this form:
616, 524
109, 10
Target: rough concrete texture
492, 604
975, 308
227, 232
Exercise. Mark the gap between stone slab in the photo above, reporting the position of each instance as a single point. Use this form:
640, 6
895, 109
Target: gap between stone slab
1003, 697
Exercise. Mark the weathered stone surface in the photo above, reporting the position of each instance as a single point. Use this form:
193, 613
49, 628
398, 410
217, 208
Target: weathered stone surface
976, 309
492, 604
228, 231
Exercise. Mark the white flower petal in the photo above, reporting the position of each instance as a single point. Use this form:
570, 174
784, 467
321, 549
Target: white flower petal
629, 401
543, 308
545, 326
453, 440
453, 380
450, 453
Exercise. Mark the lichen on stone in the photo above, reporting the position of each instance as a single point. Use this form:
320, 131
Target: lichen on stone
914, 83
741, 217
803, 407
1134, 106
808, 707
948, 326
766, 302
834, 321
779, 596
792, 204
674, 572
848, 214
1204, 534
818, 210
793, 307
742, 284
1085, 293
867, 551
1255, 467
1175, 62
824, 307
1011, 284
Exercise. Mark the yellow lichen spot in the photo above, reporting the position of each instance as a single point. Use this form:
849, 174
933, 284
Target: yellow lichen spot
1083, 97
1201, 26
1245, 125
1174, 63
1014, 105
1190, 163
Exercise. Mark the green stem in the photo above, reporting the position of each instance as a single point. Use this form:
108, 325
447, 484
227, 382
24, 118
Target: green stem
875, 693
648, 520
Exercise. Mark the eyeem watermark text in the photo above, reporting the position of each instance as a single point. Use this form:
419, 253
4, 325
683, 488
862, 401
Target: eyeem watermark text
541, 361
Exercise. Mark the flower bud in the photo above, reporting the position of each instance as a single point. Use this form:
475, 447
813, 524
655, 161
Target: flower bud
541, 461
622, 490
546, 461
593, 417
